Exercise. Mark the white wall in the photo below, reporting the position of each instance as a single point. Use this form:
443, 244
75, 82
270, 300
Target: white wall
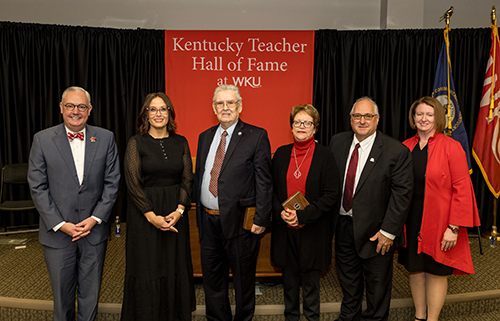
249, 14
466, 14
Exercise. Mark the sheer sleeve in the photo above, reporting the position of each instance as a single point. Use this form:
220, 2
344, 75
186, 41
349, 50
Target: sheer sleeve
187, 176
133, 177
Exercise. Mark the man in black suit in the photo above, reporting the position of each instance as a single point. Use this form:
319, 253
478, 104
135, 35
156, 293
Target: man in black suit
233, 173
377, 188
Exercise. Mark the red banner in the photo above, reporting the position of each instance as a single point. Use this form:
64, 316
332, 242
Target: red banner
486, 146
273, 69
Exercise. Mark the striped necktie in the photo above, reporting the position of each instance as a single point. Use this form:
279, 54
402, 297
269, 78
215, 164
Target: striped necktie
219, 158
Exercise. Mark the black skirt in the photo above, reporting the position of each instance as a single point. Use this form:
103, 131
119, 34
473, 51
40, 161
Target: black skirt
408, 256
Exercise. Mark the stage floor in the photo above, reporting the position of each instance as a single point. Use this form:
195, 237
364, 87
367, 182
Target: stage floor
24, 276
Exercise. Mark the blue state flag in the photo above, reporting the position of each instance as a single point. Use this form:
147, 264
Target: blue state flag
444, 89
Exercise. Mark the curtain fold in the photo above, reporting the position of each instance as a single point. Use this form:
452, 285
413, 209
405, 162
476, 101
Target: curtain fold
37, 62
119, 67
396, 67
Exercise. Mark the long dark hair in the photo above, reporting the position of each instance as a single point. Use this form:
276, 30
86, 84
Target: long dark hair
143, 118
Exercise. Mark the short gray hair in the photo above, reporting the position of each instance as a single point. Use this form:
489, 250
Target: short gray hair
375, 107
76, 88
227, 87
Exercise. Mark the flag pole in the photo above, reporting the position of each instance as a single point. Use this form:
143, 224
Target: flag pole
492, 102
495, 34
446, 17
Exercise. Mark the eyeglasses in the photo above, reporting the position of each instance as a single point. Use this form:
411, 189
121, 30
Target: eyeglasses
154, 110
297, 123
81, 107
229, 104
365, 116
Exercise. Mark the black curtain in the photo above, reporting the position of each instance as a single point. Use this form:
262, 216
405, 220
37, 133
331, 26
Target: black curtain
37, 62
119, 67
396, 67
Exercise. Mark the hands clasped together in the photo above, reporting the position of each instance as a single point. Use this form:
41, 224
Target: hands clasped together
164, 223
290, 217
79, 230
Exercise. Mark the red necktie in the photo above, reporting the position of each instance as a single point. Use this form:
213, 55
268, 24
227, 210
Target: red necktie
213, 187
72, 136
349, 180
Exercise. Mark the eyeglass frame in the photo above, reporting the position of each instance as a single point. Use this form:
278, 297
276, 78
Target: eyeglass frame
367, 117
72, 107
222, 104
165, 112
305, 123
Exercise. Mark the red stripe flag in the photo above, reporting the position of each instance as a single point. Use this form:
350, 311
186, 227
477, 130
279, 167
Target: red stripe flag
486, 146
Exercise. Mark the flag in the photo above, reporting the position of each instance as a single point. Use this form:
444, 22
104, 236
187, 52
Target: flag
444, 91
486, 145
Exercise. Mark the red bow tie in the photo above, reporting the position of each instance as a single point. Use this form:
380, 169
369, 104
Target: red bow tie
72, 136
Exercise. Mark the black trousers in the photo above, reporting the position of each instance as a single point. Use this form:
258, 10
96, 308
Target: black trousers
217, 255
294, 277
377, 271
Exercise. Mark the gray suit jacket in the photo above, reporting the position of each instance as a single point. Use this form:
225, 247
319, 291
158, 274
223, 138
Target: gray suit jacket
56, 192
384, 191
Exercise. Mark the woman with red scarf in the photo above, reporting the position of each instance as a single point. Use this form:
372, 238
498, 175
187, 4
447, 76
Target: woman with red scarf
301, 242
443, 206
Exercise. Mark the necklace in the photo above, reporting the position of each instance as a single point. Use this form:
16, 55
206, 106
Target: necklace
297, 172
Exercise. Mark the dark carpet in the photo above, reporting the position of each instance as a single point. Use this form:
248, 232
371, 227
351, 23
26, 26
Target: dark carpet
23, 275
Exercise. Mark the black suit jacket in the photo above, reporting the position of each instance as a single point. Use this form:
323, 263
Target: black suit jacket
244, 180
383, 194
322, 193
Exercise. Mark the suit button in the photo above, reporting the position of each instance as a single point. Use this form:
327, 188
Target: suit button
76, 211
80, 192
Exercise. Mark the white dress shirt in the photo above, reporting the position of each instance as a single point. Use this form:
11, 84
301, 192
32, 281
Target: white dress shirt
208, 200
365, 147
78, 151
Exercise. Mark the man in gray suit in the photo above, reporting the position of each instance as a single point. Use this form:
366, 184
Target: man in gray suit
73, 176
377, 189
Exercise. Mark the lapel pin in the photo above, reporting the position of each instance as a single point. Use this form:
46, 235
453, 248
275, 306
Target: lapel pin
239, 133
92, 139
372, 160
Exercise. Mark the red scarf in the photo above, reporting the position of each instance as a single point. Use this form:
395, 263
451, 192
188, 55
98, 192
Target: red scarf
302, 159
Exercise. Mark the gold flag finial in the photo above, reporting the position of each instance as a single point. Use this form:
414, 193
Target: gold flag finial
493, 15
494, 30
446, 16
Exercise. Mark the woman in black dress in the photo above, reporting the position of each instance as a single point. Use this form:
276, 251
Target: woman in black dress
158, 171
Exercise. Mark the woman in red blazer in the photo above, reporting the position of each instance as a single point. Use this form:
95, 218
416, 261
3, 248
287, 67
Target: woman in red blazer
443, 205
